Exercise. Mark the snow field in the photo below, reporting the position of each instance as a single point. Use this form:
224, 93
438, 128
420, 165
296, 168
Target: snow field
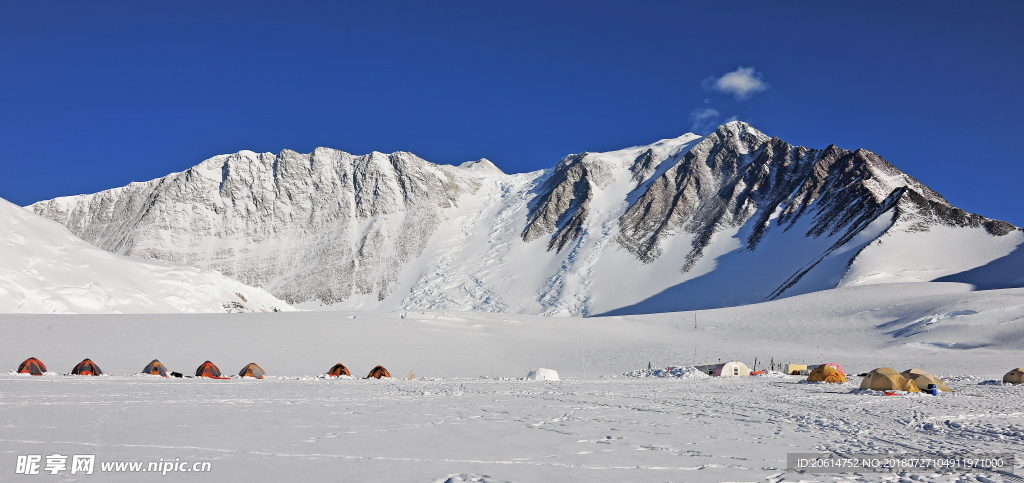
44, 269
597, 429
465, 417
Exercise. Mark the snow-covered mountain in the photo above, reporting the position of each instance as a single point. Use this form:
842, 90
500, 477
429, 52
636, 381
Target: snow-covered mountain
732, 218
46, 269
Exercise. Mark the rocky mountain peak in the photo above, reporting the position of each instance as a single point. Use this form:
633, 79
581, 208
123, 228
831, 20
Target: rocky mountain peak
752, 212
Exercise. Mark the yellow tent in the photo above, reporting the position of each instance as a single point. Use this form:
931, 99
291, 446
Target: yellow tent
886, 379
1015, 376
923, 379
826, 374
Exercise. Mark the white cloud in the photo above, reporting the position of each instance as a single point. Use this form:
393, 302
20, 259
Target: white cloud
741, 83
704, 119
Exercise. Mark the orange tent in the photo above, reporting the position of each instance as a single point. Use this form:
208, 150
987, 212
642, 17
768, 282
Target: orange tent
837, 367
155, 368
209, 370
87, 368
32, 366
379, 372
826, 373
252, 370
339, 369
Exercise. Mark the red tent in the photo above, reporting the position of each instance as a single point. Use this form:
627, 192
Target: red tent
155, 368
32, 366
209, 370
379, 372
87, 368
339, 369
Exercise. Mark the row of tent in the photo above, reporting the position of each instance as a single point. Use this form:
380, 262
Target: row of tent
207, 369
883, 378
880, 379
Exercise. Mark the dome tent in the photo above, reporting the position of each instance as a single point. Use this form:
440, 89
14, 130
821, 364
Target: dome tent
887, 379
87, 368
922, 379
379, 372
209, 370
826, 373
731, 369
1015, 376
252, 370
32, 366
542, 374
155, 368
837, 367
338, 369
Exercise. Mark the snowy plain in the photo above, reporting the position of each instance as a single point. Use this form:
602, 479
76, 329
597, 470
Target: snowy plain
467, 416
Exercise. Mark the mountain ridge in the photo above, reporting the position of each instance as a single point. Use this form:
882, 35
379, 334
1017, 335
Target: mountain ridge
395, 231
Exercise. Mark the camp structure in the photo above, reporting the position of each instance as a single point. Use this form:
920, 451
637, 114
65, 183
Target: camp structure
795, 369
252, 370
32, 366
1015, 376
708, 369
339, 369
378, 372
827, 373
155, 368
209, 370
886, 379
542, 374
87, 368
836, 367
731, 369
923, 379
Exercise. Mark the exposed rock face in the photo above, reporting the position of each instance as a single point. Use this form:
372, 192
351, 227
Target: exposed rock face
321, 226
737, 172
564, 202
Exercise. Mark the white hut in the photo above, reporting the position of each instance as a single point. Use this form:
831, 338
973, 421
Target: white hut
732, 369
542, 374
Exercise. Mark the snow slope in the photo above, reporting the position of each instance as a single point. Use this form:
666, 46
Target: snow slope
46, 269
455, 422
736, 217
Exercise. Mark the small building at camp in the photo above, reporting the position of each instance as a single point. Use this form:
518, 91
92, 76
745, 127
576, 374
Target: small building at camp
794, 369
32, 366
155, 368
731, 369
1015, 376
542, 374
708, 369
338, 370
87, 368
252, 370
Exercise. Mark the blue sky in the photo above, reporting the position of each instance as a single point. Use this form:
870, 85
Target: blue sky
99, 94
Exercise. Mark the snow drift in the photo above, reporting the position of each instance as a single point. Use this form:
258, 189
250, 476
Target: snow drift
46, 269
